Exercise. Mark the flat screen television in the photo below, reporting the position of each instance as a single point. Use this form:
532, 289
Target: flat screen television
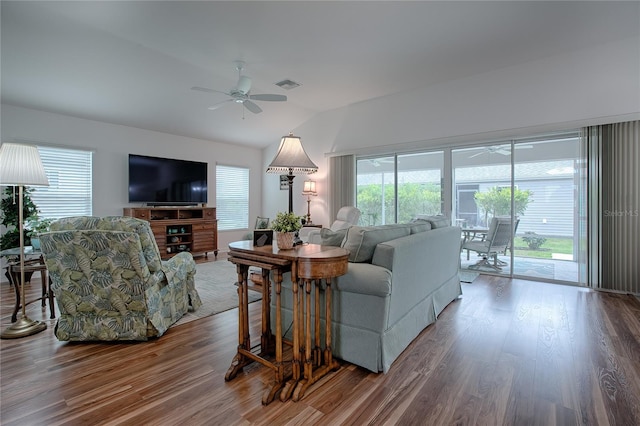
165, 181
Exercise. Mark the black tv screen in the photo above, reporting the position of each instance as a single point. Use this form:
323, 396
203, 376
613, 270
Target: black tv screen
165, 181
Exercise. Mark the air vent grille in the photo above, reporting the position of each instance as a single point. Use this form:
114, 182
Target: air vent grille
288, 84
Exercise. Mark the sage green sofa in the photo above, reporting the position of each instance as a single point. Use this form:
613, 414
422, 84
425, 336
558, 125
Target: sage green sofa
109, 282
399, 279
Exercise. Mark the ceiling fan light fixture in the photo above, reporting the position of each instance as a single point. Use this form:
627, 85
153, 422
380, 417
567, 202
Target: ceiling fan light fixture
287, 84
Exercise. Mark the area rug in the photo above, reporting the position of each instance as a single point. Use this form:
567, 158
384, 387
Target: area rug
215, 282
468, 276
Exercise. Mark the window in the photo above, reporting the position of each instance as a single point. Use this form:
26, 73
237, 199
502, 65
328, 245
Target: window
70, 183
232, 197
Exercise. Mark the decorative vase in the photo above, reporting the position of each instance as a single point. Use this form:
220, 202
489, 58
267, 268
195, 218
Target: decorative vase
285, 240
35, 243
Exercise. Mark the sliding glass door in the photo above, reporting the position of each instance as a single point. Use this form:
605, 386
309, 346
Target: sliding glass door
531, 183
481, 188
534, 183
547, 236
395, 189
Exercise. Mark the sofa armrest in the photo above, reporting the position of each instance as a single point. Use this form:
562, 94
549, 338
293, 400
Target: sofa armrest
364, 278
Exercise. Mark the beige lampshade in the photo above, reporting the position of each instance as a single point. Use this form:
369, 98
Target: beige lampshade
291, 157
309, 187
21, 165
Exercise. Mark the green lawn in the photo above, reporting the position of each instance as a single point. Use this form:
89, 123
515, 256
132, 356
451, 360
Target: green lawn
562, 245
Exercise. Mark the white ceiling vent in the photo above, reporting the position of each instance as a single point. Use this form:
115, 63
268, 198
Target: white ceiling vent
287, 84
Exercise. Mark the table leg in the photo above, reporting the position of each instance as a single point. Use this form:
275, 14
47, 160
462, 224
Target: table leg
279, 379
52, 307
312, 375
239, 360
43, 278
288, 389
308, 360
317, 350
266, 339
328, 350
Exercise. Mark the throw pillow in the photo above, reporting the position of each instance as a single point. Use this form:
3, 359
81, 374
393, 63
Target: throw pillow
332, 238
362, 241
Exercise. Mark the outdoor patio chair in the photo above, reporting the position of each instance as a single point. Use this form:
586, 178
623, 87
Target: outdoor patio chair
496, 241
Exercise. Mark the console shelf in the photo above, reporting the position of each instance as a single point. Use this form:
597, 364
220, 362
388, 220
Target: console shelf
178, 229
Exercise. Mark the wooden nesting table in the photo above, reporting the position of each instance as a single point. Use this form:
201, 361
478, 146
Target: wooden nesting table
312, 269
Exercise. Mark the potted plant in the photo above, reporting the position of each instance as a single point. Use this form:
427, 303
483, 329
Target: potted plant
286, 225
9, 215
34, 227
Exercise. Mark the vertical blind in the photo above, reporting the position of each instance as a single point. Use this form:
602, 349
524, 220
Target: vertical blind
70, 183
232, 197
620, 214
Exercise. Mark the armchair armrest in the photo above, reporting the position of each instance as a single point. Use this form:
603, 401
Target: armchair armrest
313, 237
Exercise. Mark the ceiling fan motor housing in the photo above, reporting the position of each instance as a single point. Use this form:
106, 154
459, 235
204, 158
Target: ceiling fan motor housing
243, 86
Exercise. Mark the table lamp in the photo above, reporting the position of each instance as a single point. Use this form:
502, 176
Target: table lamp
20, 165
292, 158
309, 189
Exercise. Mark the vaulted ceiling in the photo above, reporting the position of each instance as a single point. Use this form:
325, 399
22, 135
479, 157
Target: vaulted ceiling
134, 62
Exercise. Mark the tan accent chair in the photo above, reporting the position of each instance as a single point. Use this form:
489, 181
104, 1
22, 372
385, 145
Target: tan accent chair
346, 217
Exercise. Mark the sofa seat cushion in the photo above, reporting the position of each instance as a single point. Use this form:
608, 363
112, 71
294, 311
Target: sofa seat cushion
361, 241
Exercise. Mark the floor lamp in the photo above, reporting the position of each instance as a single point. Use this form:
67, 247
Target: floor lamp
291, 158
20, 165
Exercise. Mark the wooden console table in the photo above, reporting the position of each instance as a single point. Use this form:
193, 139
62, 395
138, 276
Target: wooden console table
309, 265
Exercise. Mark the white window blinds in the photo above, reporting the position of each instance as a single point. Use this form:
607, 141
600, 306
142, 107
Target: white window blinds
232, 197
70, 183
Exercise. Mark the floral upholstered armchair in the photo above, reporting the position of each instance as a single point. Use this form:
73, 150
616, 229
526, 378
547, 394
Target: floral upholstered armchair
109, 282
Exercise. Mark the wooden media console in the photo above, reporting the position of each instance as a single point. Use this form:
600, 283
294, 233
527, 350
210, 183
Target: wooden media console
178, 229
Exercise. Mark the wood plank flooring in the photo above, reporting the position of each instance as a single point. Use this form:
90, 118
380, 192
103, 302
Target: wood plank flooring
509, 352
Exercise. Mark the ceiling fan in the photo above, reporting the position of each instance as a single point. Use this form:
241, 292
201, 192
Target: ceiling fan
500, 149
241, 93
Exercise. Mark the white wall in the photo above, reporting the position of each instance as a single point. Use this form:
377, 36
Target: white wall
112, 144
587, 87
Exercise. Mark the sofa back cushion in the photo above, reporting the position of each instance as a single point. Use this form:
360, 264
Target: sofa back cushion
436, 222
419, 226
361, 241
116, 223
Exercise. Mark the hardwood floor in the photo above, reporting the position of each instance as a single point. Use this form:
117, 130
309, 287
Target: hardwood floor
509, 352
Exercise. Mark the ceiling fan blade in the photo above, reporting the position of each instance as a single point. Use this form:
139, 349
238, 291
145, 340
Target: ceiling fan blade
268, 97
252, 107
204, 89
221, 104
475, 155
503, 151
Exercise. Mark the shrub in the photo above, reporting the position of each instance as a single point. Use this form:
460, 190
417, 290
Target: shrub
533, 240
